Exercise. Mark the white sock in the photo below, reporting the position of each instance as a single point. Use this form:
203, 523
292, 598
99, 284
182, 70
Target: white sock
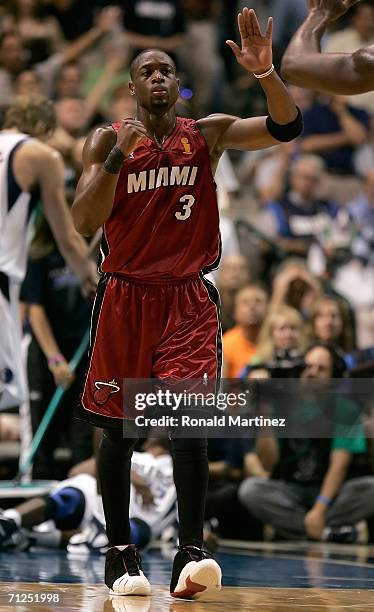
14, 515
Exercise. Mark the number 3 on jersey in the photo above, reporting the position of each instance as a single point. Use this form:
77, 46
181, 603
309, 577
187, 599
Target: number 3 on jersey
189, 202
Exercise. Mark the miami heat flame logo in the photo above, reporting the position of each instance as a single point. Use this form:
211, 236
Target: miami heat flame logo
104, 390
186, 146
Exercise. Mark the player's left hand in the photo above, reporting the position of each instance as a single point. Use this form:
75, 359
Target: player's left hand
256, 54
331, 9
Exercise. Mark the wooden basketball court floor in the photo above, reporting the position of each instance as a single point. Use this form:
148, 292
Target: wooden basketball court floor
287, 577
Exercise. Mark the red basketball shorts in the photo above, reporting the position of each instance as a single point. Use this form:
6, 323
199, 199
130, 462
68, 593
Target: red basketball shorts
141, 330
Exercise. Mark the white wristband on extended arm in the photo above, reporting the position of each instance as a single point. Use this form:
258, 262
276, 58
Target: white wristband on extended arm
265, 74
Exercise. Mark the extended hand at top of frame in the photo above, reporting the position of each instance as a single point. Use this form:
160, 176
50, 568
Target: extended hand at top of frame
256, 54
331, 9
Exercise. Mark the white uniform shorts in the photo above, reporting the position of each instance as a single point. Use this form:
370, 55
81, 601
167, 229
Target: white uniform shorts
13, 383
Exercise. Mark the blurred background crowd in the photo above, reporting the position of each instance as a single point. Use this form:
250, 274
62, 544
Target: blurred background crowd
297, 222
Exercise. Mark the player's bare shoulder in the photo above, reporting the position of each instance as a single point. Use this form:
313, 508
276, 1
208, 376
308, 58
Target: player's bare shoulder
98, 145
35, 159
212, 127
38, 152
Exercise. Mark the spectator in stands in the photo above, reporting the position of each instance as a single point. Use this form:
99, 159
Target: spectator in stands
227, 31
303, 98
358, 34
268, 168
121, 105
334, 130
239, 343
281, 336
29, 19
111, 63
329, 322
364, 156
362, 207
200, 51
59, 317
288, 16
233, 275
301, 216
28, 83
76, 115
11, 64
71, 116
230, 461
294, 285
68, 81
68, 139
75, 16
354, 280
154, 24
318, 486
13, 58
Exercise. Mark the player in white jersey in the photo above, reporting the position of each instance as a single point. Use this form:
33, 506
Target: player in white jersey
29, 170
50, 521
72, 505
153, 501
155, 468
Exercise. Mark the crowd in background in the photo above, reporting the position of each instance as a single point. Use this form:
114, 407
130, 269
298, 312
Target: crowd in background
297, 274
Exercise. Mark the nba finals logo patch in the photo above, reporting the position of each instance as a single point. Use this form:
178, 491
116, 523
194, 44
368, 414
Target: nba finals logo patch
186, 146
104, 390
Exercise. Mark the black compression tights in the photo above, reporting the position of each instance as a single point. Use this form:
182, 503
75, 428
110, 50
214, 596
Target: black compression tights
190, 476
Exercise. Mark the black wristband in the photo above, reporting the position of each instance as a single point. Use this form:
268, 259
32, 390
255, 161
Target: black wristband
114, 161
287, 131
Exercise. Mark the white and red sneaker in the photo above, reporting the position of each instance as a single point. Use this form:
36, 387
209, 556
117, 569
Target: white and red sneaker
194, 573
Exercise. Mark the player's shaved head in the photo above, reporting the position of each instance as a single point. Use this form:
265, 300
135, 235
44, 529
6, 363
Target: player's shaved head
137, 61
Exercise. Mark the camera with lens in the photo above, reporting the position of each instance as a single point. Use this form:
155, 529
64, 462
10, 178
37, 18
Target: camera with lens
286, 364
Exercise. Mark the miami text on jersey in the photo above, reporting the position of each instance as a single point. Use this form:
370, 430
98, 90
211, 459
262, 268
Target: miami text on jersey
161, 177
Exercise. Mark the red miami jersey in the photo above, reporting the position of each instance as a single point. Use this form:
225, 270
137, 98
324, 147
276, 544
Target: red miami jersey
164, 223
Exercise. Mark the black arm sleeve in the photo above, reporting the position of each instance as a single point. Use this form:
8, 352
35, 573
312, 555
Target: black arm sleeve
287, 131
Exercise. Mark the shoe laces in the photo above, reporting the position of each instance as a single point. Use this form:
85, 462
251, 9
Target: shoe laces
196, 553
131, 560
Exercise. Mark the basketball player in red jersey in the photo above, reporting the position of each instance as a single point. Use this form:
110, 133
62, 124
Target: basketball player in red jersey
149, 182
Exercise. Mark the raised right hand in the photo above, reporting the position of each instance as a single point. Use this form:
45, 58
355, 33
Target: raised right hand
131, 133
